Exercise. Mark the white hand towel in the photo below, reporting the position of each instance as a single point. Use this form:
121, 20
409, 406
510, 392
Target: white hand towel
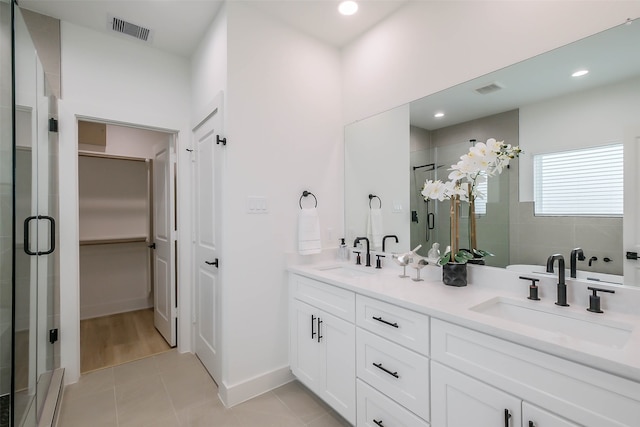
374, 228
309, 232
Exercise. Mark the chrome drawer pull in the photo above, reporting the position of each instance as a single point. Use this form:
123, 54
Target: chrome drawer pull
379, 366
378, 422
380, 319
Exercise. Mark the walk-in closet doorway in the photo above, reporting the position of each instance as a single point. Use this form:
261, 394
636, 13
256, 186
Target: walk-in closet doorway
127, 257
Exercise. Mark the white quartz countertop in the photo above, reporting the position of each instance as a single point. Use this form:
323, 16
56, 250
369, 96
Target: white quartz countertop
454, 305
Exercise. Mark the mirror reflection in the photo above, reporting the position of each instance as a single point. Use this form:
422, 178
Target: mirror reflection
536, 104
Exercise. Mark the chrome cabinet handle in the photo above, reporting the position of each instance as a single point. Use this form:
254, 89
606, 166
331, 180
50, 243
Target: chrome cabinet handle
319, 330
379, 366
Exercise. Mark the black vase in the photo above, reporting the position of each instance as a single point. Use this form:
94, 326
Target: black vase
454, 274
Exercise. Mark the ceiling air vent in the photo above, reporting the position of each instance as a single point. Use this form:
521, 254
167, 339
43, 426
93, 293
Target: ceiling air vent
490, 88
121, 26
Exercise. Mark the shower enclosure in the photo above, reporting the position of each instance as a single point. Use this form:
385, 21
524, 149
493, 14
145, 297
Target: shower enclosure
28, 211
430, 219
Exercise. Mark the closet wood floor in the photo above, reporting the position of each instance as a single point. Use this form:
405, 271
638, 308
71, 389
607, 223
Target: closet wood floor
119, 338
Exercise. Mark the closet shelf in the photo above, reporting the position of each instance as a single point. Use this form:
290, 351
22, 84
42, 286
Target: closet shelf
114, 240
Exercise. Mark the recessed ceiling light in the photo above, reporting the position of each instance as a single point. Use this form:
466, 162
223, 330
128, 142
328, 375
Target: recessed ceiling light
348, 7
580, 73
438, 115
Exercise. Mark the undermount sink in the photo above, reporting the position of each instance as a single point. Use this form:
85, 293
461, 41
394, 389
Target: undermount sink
587, 327
345, 271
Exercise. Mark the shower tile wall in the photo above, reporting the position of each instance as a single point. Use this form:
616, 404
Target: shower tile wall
533, 238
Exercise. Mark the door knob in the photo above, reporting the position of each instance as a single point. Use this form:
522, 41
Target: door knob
214, 263
152, 246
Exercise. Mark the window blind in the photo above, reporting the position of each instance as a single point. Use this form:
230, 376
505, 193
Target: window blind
585, 182
481, 202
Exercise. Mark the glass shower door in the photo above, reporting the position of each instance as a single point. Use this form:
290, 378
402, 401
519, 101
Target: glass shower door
6, 213
35, 249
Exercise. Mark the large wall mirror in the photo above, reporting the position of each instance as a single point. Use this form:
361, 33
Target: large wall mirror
536, 104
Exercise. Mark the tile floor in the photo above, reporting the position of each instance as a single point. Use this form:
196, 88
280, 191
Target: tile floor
174, 390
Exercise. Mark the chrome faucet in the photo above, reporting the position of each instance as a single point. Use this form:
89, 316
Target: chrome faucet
562, 287
355, 245
576, 255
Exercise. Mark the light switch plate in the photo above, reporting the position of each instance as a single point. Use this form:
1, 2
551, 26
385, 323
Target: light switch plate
257, 205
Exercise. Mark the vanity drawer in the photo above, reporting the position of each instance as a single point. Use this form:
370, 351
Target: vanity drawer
405, 327
401, 374
333, 300
374, 406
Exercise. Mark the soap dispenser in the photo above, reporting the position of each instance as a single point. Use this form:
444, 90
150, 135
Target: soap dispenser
343, 251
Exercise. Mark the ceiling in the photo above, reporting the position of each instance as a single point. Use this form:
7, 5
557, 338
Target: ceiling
179, 25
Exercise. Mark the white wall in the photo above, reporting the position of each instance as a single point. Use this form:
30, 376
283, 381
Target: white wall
209, 67
432, 45
284, 132
114, 80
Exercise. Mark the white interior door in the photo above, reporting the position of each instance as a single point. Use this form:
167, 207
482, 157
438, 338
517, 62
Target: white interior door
164, 239
207, 242
630, 226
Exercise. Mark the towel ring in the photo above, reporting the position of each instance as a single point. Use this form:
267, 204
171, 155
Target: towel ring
306, 193
371, 197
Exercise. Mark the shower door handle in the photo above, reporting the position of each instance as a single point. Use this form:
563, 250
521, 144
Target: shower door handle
52, 234
27, 236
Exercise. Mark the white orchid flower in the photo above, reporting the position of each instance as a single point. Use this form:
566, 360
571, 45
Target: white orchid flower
482, 160
495, 146
436, 190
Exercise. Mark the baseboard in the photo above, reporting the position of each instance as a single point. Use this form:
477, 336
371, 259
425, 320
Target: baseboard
99, 310
231, 395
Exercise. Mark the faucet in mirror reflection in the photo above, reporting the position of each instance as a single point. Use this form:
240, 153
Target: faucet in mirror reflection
375, 227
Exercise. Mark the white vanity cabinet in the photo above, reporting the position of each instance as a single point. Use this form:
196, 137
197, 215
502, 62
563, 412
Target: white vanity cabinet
381, 364
392, 364
322, 342
461, 401
475, 375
